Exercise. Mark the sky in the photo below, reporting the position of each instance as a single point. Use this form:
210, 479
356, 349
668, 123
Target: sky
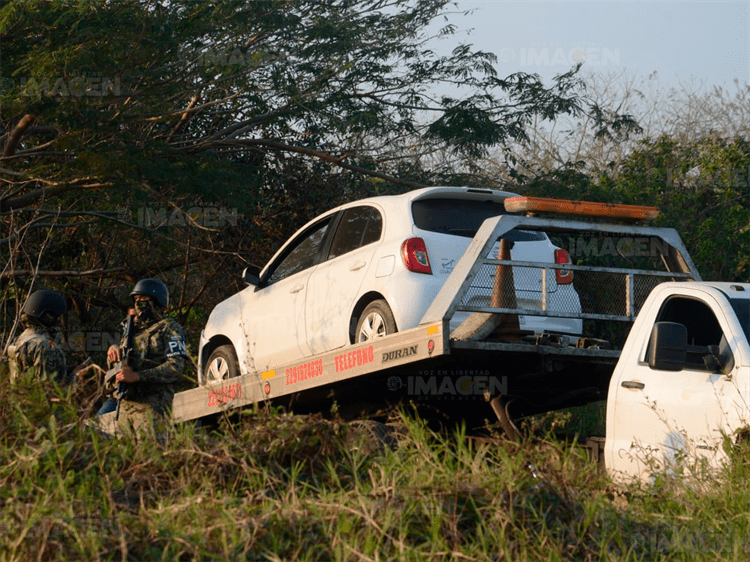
704, 41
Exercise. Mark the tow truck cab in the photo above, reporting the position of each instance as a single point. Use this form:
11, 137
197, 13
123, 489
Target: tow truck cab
682, 384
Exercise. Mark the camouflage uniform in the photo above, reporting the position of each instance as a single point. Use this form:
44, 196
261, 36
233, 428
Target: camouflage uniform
159, 358
35, 348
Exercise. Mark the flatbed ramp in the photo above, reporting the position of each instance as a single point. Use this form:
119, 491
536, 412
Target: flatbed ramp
408, 347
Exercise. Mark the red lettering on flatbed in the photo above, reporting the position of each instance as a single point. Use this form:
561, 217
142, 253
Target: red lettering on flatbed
355, 358
224, 394
303, 372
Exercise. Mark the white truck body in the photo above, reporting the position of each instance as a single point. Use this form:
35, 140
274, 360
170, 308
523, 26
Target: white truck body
681, 418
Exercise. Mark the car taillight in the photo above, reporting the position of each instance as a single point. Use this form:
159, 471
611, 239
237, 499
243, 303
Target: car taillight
414, 254
563, 276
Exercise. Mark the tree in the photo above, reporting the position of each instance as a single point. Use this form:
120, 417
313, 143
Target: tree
702, 189
687, 114
117, 113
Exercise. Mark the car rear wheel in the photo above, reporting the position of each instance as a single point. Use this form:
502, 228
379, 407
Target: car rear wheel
376, 321
222, 365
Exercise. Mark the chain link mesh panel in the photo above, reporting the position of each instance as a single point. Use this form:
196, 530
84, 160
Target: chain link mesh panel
593, 294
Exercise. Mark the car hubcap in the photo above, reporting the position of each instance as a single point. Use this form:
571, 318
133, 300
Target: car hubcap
218, 370
373, 327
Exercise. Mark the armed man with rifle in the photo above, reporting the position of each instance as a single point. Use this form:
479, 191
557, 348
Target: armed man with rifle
150, 360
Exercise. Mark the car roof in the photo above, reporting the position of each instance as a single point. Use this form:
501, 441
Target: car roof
396, 204
437, 191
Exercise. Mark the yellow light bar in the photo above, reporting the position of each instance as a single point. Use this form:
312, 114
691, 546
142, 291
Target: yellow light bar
433, 330
268, 374
580, 208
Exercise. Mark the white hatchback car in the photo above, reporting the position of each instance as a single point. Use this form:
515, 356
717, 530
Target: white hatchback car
367, 269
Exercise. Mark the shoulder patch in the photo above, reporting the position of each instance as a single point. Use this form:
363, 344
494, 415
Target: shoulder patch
176, 346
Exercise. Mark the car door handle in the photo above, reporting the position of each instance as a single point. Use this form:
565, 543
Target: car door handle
297, 289
357, 265
633, 384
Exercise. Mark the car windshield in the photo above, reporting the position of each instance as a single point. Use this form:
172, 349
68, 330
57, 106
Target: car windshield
463, 217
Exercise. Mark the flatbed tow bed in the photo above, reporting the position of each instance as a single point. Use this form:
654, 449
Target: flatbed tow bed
455, 371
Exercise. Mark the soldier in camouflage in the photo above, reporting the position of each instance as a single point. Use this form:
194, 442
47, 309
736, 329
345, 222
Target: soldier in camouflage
35, 347
156, 364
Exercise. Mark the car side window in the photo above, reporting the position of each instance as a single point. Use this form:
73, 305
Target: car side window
703, 328
359, 226
302, 254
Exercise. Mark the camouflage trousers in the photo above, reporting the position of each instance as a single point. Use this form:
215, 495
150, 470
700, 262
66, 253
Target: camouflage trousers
136, 418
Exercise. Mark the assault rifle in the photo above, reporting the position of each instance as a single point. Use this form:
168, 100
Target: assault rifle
128, 333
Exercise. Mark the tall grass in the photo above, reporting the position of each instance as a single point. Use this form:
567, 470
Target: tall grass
265, 486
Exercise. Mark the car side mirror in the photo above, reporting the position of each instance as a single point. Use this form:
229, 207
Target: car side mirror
251, 275
668, 346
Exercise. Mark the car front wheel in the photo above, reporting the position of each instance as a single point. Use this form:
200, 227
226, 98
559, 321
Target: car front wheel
222, 365
376, 321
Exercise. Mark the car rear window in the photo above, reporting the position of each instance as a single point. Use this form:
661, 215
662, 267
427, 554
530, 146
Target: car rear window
463, 217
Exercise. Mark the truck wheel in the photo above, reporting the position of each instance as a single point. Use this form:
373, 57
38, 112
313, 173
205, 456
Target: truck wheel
222, 365
376, 321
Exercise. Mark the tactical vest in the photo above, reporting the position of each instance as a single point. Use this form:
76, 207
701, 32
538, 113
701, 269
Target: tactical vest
24, 339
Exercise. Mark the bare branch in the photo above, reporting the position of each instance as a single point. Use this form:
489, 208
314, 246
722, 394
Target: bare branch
9, 204
336, 160
62, 273
16, 134
34, 131
184, 117
11, 173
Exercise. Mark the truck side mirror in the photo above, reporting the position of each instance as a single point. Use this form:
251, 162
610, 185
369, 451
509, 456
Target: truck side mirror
668, 346
251, 275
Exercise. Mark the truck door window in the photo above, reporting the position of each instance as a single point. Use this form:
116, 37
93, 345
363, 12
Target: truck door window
703, 328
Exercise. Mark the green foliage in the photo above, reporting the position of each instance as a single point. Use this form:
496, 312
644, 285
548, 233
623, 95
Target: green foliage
270, 486
122, 118
702, 190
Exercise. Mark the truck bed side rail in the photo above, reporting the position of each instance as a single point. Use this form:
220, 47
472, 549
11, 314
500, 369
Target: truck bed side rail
618, 295
601, 293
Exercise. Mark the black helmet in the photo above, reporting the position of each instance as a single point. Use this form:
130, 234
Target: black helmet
45, 301
152, 288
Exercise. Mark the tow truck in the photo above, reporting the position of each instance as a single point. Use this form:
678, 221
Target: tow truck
679, 384
487, 353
